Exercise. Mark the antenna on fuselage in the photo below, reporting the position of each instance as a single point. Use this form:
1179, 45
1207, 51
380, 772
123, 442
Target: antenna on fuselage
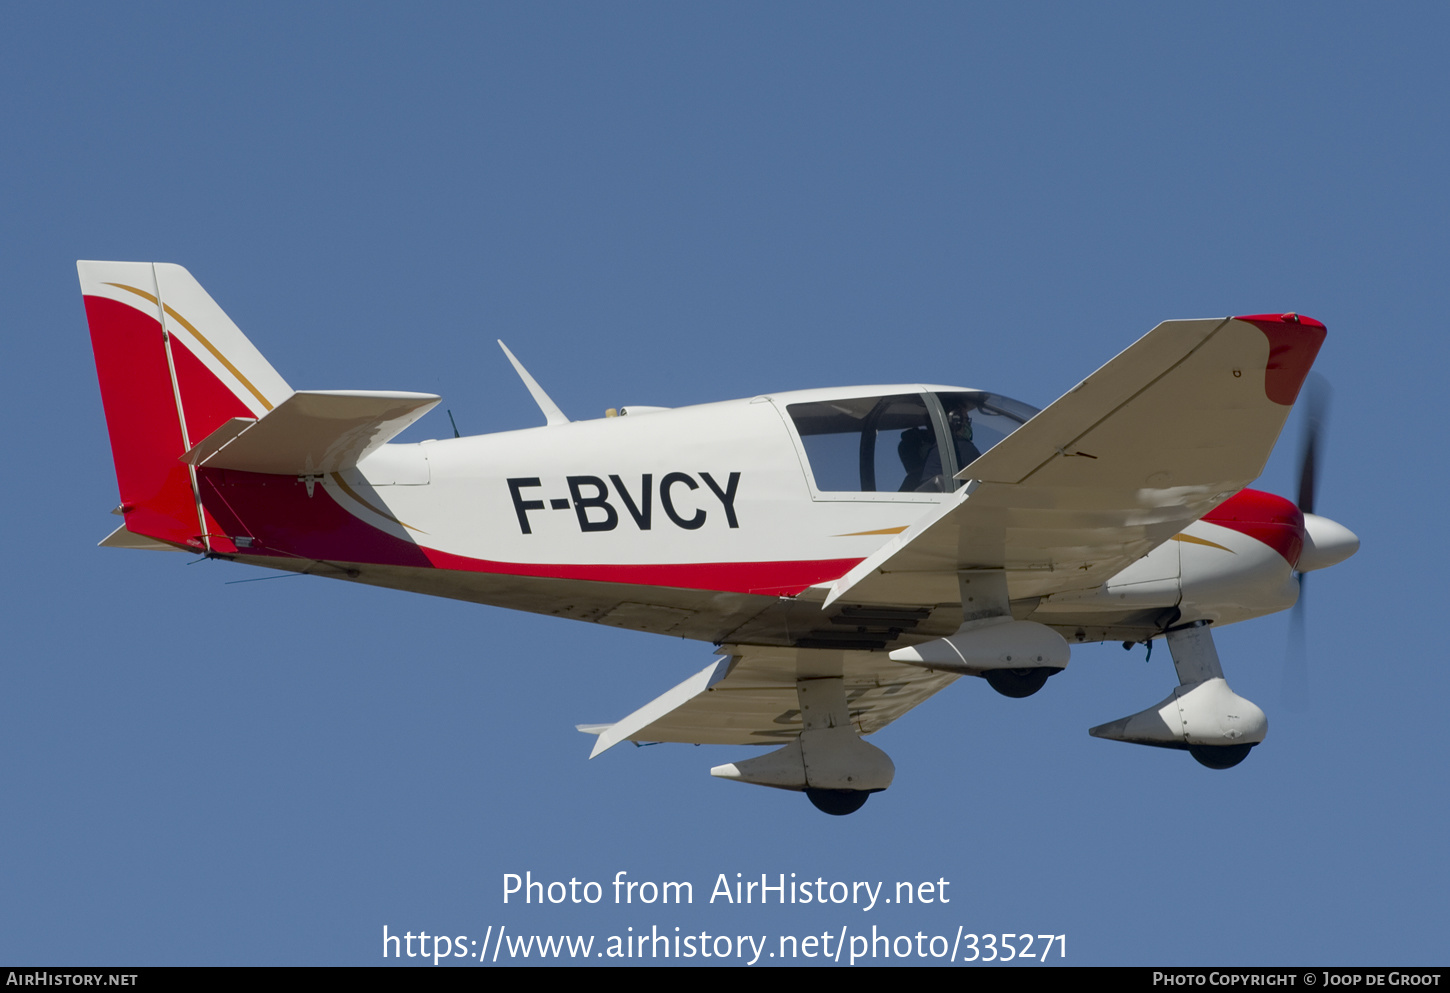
552, 414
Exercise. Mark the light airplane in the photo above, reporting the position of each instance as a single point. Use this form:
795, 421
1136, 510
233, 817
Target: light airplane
849, 552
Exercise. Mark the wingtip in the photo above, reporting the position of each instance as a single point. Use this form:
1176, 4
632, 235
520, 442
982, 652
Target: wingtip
1289, 318
603, 742
1294, 342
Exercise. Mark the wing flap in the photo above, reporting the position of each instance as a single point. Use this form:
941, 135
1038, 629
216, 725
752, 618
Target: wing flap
1176, 424
311, 432
749, 698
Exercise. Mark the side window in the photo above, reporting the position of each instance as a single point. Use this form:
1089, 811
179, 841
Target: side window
869, 444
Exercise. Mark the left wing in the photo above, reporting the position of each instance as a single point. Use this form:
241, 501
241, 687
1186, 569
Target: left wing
1169, 429
749, 697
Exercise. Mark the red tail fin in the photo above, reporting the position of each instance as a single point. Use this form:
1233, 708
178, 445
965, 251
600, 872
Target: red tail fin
172, 368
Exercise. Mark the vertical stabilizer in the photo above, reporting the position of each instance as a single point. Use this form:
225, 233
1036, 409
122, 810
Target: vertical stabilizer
172, 368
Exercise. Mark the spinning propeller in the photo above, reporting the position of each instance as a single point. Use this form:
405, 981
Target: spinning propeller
1316, 412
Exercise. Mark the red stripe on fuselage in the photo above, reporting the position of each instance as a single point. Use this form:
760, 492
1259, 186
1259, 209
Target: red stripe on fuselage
282, 520
768, 578
1265, 517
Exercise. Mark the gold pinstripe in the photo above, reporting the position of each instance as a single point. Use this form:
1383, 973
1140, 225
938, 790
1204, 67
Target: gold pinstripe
201, 338
342, 483
1201, 541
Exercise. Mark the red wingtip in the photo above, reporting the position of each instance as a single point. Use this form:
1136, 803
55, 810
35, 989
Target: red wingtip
1289, 318
1294, 341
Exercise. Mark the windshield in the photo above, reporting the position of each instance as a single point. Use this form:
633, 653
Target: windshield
979, 421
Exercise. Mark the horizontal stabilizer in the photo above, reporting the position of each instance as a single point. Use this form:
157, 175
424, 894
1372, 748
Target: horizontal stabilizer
121, 538
311, 432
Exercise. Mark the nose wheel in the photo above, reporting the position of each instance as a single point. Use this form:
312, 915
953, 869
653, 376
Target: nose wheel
1213, 723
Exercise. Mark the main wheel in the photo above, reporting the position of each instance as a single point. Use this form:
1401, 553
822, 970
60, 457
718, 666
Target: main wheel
838, 802
1219, 756
1018, 683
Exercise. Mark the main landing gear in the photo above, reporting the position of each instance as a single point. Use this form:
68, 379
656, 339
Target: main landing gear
1016, 658
837, 802
1019, 683
828, 761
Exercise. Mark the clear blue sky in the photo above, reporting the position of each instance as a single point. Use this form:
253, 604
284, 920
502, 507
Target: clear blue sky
675, 203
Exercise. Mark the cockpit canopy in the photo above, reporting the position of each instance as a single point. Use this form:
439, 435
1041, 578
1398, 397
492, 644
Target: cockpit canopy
905, 442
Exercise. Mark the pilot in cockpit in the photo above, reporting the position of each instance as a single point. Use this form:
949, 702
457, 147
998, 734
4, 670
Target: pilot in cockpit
960, 423
915, 445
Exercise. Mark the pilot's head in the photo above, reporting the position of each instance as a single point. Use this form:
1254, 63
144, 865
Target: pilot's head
960, 423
